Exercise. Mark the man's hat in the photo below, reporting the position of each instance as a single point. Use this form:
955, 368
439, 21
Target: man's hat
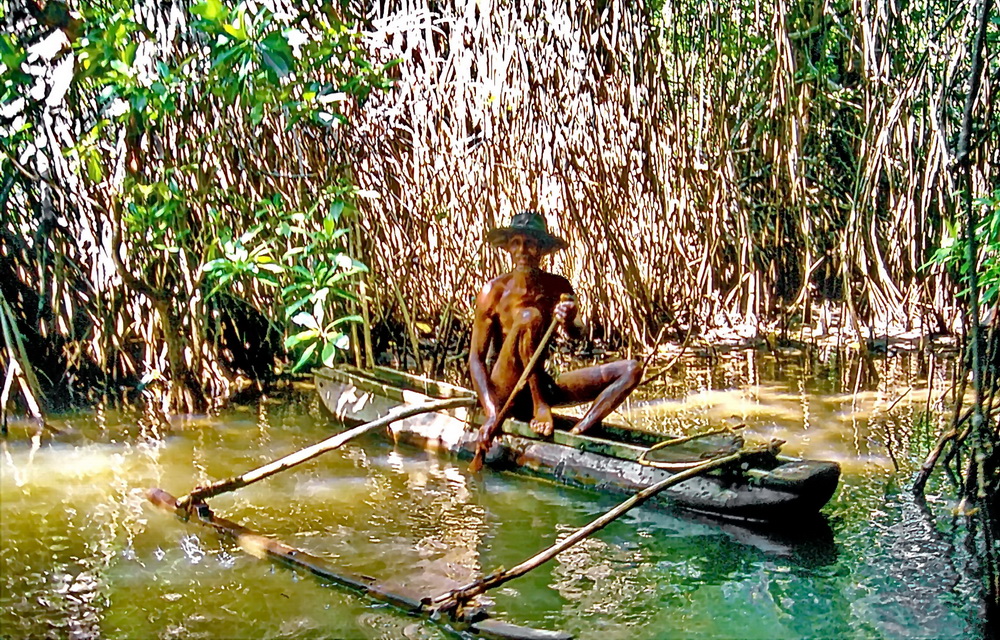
530, 223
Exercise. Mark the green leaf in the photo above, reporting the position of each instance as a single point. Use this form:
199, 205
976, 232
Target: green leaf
300, 337
340, 321
257, 114
266, 279
329, 354
228, 53
236, 30
211, 10
305, 357
214, 265
275, 62
94, 171
295, 306
343, 293
306, 319
336, 209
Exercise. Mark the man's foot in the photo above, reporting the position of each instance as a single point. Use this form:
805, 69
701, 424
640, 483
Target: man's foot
542, 423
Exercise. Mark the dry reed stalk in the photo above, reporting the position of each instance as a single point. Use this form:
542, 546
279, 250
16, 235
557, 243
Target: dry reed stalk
781, 149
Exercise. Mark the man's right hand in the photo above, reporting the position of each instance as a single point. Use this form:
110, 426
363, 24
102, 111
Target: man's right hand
486, 433
483, 442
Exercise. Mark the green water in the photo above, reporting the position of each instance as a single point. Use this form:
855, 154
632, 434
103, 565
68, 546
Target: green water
82, 555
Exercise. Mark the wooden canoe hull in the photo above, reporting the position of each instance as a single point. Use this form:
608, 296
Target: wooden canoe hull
782, 491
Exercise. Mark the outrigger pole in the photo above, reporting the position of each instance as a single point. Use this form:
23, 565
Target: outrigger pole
200, 494
457, 599
471, 619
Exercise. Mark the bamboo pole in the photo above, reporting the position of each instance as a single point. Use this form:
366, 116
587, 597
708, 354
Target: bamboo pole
266, 547
200, 494
456, 598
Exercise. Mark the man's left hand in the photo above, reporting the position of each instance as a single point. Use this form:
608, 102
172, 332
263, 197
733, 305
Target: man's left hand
565, 312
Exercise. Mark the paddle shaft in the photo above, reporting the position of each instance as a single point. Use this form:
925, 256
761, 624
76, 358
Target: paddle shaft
481, 448
199, 494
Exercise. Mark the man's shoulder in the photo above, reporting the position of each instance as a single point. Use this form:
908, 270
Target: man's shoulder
558, 280
495, 286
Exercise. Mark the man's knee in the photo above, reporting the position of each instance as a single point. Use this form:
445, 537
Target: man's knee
631, 372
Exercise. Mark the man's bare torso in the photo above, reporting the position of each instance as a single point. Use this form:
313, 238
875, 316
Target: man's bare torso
512, 293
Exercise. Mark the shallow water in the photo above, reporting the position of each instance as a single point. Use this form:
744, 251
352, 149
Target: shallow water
82, 555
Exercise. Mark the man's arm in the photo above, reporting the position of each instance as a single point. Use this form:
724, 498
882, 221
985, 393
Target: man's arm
482, 329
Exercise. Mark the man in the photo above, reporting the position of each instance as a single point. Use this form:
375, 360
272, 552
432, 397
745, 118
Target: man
512, 314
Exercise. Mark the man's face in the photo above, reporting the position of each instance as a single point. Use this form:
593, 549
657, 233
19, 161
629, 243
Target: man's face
524, 250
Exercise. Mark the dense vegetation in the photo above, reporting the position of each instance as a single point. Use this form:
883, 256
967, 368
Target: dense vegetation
196, 196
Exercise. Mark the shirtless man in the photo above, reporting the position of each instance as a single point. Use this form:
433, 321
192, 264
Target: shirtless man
513, 312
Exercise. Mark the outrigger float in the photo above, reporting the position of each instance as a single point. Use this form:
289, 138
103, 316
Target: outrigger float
717, 474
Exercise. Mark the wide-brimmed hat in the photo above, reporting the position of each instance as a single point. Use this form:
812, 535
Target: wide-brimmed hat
530, 223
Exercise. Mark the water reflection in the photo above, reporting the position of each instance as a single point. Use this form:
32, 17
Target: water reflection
82, 556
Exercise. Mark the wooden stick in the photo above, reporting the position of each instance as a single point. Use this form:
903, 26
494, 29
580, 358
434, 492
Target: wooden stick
457, 597
482, 448
199, 494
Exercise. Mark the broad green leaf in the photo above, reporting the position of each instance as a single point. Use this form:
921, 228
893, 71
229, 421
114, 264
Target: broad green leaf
343, 342
306, 319
305, 357
276, 54
211, 10
257, 113
329, 354
336, 209
300, 337
236, 31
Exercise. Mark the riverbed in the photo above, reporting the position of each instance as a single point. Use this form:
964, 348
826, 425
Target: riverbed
83, 555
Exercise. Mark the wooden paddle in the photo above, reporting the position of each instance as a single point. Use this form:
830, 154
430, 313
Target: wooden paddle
482, 448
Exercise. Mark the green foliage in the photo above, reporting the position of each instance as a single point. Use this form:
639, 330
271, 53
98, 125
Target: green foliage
249, 65
277, 68
315, 273
953, 251
17, 133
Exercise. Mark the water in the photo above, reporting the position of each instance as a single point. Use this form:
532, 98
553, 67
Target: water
83, 555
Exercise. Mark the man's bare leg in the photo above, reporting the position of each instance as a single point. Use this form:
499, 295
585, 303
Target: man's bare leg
541, 421
517, 349
607, 385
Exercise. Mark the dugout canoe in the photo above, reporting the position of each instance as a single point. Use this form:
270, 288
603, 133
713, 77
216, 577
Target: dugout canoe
769, 488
